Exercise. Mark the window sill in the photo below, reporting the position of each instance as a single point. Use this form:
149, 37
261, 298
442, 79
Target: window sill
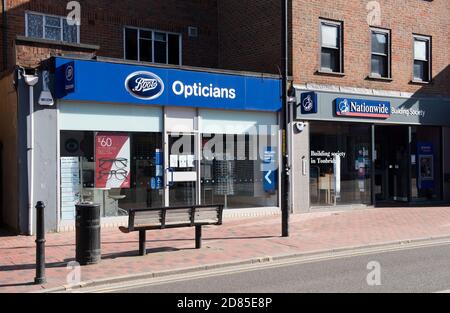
420, 82
337, 74
379, 78
56, 43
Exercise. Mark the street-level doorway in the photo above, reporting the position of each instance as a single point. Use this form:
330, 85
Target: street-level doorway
182, 169
392, 163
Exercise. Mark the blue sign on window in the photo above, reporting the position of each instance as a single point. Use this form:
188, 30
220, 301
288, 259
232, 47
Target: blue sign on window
346, 107
308, 103
269, 169
425, 165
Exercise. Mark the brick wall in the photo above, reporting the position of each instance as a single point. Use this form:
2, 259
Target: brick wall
245, 34
402, 17
30, 54
102, 23
249, 35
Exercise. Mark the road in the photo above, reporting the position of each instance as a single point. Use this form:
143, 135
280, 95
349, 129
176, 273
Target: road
423, 269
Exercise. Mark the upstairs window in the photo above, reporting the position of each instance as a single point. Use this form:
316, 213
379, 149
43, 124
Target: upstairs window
422, 57
152, 46
331, 47
51, 27
381, 54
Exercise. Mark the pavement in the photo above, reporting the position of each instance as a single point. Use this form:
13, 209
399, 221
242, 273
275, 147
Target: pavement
238, 241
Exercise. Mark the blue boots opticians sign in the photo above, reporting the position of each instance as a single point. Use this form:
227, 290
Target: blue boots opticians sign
362, 108
110, 82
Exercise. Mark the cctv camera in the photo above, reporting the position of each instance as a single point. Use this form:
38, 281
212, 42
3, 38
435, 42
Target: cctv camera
31, 80
300, 126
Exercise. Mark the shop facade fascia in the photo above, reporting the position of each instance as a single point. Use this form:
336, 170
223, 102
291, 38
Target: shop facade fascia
382, 118
154, 104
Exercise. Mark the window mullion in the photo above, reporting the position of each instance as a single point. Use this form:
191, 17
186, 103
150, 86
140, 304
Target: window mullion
167, 48
153, 46
138, 44
62, 29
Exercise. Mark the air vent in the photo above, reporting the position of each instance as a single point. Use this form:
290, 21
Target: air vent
193, 32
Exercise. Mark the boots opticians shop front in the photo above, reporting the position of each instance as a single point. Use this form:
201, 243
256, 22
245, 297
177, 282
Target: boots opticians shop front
135, 136
364, 150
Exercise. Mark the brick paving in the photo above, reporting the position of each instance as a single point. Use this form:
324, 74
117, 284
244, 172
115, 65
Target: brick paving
237, 240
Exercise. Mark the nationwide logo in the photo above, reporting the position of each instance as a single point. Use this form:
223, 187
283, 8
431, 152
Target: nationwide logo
308, 103
363, 108
144, 85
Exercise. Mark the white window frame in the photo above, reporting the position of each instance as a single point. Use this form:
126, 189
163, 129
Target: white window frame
61, 19
340, 26
153, 31
386, 32
427, 40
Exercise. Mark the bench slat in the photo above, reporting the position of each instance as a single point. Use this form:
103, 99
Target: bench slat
142, 219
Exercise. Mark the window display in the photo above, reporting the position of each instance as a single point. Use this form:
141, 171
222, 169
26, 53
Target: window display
340, 164
232, 171
114, 169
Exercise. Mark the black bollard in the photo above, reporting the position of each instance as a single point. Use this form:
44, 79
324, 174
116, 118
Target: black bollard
40, 244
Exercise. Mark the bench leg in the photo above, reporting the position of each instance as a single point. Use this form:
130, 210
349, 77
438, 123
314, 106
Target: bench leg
198, 237
142, 239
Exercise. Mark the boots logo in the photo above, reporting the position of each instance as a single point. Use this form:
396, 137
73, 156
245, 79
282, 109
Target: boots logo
144, 85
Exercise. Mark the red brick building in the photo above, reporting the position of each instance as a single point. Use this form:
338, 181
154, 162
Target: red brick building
192, 36
357, 55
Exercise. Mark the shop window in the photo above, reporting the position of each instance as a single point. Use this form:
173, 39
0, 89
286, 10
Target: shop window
51, 27
422, 57
381, 58
232, 171
340, 172
152, 46
331, 47
92, 170
426, 163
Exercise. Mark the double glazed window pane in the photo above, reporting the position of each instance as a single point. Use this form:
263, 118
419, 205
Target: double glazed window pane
145, 46
330, 59
380, 43
174, 49
160, 48
330, 36
52, 28
421, 70
131, 44
35, 25
380, 65
420, 50
70, 32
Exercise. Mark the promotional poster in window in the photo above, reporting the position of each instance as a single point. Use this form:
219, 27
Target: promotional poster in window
112, 159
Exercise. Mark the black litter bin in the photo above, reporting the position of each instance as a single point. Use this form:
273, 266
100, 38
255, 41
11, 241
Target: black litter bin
88, 249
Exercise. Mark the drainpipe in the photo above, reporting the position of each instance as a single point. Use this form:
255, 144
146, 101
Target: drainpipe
30, 81
5, 35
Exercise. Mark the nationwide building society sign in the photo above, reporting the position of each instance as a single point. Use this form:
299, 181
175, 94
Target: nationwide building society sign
363, 108
346, 107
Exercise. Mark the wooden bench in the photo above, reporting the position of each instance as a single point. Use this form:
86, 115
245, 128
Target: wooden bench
142, 220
